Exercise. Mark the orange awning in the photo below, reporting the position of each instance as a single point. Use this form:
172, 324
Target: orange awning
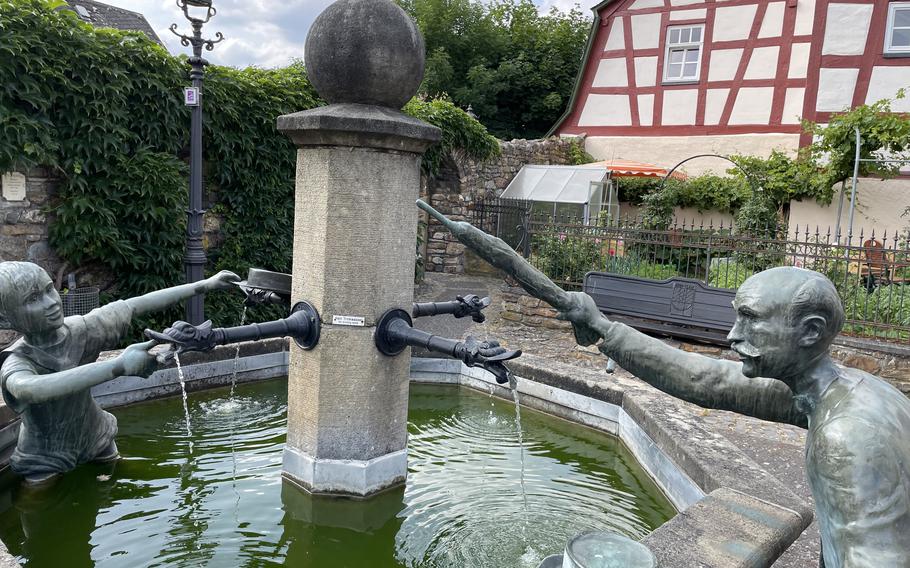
629, 168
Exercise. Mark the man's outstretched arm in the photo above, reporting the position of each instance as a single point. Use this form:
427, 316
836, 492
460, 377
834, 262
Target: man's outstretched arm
707, 382
695, 378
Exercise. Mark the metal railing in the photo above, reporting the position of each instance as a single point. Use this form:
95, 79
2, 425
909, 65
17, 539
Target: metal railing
870, 271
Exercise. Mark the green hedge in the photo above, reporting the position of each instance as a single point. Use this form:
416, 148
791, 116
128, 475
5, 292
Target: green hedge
103, 109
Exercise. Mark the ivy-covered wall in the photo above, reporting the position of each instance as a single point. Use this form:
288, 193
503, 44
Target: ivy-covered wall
101, 112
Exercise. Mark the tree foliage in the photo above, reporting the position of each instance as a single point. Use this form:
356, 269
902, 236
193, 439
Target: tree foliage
883, 134
103, 109
514, 66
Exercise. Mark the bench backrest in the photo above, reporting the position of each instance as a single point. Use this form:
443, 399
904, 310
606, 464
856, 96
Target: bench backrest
680, 301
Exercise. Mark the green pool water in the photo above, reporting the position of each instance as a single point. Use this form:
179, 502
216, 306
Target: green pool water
225, 504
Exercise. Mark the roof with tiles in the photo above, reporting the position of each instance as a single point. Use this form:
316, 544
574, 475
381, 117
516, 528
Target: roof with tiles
106, 16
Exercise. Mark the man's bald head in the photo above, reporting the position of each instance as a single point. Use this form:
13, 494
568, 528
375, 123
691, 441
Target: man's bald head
801, 293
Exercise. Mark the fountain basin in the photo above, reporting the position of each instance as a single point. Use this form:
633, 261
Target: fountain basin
736, 514
217, 498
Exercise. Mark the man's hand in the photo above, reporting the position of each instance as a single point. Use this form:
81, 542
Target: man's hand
224, 280
136, 359
587, 321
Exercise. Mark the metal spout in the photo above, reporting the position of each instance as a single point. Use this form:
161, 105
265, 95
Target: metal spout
462, 306
303, 325
395, 332
266, 287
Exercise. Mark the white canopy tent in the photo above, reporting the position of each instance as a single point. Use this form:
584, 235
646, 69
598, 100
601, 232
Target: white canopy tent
563, 191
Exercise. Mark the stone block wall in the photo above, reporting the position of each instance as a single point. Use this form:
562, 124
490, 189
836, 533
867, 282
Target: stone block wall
23, 234
888, 361
462, 181
521, 308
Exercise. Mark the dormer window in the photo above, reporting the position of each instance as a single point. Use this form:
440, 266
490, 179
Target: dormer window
682, 61
897, 31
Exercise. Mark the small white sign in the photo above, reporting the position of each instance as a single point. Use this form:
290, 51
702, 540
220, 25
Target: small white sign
191, 96
348, 320
13, 186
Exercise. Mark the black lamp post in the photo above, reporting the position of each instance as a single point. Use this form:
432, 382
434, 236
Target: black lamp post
198, 12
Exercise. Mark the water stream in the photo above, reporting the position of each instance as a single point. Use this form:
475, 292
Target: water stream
186, 408
236, 361
513, 382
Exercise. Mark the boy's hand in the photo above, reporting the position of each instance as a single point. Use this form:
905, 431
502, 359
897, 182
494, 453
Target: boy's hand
224, 280
136, 359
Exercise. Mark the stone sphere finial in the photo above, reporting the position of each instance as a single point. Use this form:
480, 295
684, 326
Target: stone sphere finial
365, 51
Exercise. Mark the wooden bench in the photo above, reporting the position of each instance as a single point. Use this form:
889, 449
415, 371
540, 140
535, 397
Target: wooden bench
676, 307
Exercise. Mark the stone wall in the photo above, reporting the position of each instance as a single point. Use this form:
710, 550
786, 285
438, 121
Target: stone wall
23, 234
462, 181
886, 360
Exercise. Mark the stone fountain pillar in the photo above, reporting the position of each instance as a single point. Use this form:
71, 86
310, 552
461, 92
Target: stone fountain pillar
355, 230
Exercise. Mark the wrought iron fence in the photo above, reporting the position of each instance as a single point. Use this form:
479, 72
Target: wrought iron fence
870, 271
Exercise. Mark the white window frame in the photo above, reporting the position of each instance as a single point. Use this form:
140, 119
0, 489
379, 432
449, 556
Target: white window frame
684, 47
893, 7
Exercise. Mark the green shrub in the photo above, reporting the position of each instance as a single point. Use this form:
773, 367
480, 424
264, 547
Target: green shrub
729, 274
566, 259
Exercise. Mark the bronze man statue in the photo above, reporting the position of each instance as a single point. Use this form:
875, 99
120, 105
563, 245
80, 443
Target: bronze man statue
858, 440
47, 375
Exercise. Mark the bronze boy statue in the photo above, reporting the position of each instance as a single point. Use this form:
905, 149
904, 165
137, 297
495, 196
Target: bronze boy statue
47, 375
858, 440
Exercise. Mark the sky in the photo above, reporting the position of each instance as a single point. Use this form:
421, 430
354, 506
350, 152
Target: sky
265, 33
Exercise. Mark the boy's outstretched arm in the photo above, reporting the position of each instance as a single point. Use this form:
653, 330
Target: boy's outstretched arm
161, 299
29, 388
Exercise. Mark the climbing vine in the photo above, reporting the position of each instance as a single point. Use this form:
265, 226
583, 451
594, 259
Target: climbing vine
103, 110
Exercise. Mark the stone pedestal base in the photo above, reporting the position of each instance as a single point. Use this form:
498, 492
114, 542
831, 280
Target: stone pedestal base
345, 477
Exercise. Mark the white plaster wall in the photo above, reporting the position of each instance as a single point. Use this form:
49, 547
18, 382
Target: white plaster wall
668, 150
793, 105
685, 2
886, 81
773, 24
616, 39
805, 17
645, 31
679, 107
606, 110
646, 109
715, 101
697, 14
835, 89
763, 63
799, 60
645, 71
879, 205
846, 28
611, 73
642, 4
752, 106
724, 63
733, 22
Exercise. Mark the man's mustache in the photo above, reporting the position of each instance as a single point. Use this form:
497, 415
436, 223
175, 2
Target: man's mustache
747, 349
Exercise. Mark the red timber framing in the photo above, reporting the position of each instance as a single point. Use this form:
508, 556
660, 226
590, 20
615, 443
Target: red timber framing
609, 12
